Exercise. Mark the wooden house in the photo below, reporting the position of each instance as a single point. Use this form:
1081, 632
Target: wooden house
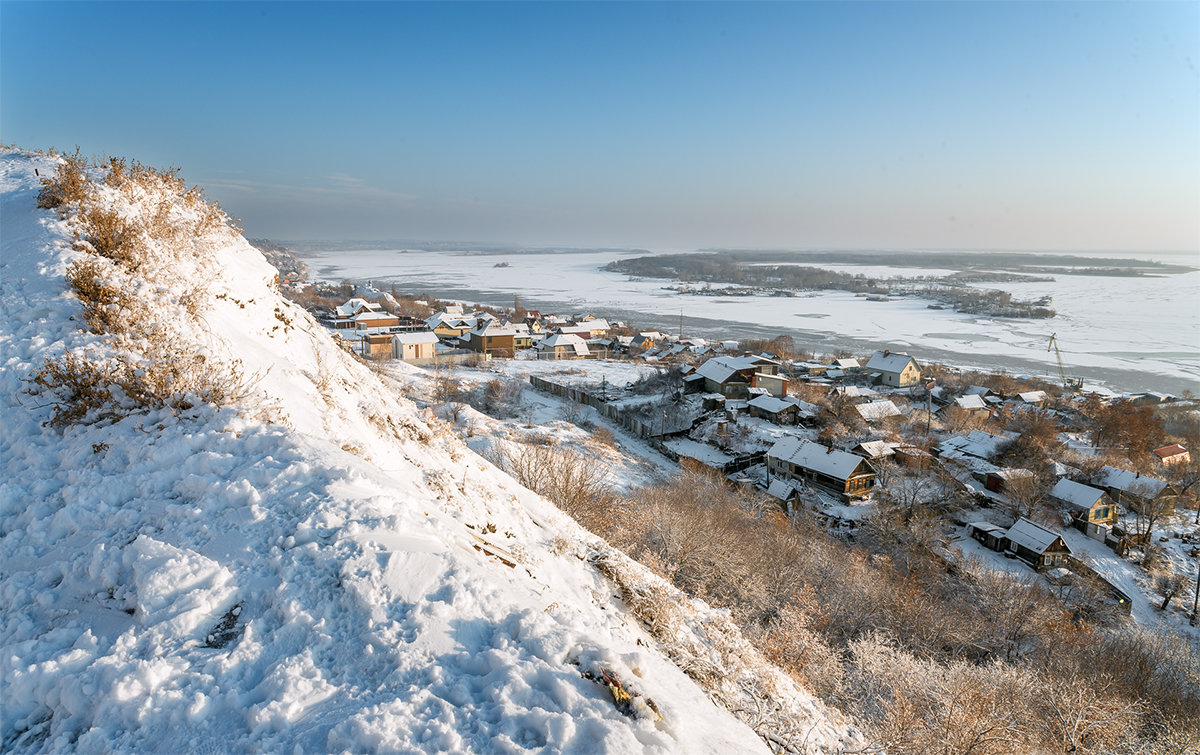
999, 480
733, 377
491, 338
972, 406
1036, 545
1139, 492
990, 535
376, 345
563, 346
894, 369
844, 474
1092, 512
913, 457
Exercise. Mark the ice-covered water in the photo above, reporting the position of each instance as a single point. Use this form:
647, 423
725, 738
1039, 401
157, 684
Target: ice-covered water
1124, 332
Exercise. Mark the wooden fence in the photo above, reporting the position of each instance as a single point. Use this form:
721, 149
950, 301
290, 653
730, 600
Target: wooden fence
623, 417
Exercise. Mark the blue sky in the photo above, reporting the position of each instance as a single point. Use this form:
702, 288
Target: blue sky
675, 125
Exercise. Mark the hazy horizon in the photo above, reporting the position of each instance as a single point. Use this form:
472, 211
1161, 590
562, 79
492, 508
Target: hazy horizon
1018, 126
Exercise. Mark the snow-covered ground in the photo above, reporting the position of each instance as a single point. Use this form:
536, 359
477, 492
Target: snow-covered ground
316, 568
1131, 334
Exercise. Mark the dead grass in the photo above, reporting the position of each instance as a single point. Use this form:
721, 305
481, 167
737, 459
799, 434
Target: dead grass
107, 307
110, 235
83, 388
69, 186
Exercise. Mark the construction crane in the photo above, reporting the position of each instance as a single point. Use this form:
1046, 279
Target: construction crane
1071, 384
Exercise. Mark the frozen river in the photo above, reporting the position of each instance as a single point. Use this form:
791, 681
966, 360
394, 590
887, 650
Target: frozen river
1125, 333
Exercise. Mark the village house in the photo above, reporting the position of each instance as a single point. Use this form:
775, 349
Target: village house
894, 369
1172, 454
1136, 491
376, 345
563, 346
594, 327
999, 480
1033, 398
874, 450
450, 325
875, 411
991, 535
1092, 512
913, 457
1036, 545
977, 443
972, 406
642, 341
492, 338
846, 475
733, 377
781, 411
846, 365
374, 320
414, 347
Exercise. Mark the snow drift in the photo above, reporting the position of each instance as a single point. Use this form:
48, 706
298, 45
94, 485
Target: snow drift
310, 564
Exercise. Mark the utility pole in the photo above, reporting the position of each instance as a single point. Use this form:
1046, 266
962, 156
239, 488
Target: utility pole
681, 323
1196, 600
928, 403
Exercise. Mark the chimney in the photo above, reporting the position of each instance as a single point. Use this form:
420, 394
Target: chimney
829, 450
886, 352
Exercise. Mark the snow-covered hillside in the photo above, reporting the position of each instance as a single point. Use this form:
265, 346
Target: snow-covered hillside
314, 566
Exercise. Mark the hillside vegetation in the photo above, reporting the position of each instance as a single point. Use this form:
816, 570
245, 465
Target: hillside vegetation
221, 532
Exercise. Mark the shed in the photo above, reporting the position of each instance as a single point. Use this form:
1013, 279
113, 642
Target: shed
1037, 546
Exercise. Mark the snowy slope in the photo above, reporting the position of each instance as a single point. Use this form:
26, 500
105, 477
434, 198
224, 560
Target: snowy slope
318, 568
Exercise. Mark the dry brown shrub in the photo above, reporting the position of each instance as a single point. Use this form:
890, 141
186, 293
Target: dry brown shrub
70, 185
111, 236
83, 388
107, 307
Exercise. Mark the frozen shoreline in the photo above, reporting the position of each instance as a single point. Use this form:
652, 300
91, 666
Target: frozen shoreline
1128, 334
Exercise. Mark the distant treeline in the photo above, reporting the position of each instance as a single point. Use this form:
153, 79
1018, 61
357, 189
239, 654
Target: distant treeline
960, 260
727, 268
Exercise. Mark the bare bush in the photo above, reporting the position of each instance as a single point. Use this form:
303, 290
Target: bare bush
107, 306
69, 186
84, 388
576, 483
111, 236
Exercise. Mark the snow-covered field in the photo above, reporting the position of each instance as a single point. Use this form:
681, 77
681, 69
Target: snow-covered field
317, 568
1130, 334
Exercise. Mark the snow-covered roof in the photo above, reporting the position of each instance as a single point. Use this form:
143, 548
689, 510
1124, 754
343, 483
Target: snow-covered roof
720, 369
1033, 397
889, 361
567, 340
970, 402
1132, 483
977, 390
415, 338
877, 409
486, 327
768, 403
353, 305
876, 448
846, 364
780, 489
372, 317
814, 456
456, 321
979, 443
985, 526
855, 391
1031, 535
1076, 494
